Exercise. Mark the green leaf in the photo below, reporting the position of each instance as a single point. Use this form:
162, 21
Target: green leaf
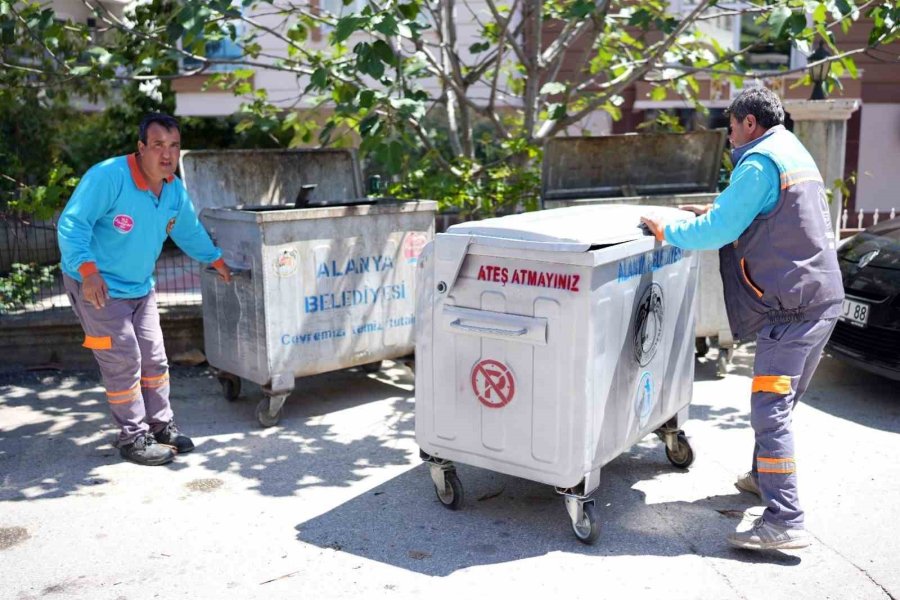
553, 87
777, 19
347, 26
479, 47
366, 98
658, 93
386, 24
820, 14
556, 111
409, 11
384, 52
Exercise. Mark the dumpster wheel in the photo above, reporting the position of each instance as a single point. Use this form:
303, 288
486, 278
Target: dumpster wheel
264, 413
681, 455
231, 386
372, 367
452, 494
587, 529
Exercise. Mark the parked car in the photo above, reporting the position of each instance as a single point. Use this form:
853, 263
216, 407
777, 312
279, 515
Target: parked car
868, 332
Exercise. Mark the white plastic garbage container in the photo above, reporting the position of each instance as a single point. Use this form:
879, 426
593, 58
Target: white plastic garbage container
547, 344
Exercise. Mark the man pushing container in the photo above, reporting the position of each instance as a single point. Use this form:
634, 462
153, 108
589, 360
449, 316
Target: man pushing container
782, 287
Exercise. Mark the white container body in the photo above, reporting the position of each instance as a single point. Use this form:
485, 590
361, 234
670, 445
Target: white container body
549, 343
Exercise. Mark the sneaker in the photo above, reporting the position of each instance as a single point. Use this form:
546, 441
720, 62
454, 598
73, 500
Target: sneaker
747, 483
145, 451
768, 536
170, 436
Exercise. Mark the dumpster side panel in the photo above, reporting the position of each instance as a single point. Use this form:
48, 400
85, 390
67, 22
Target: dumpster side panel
340, 291
505, 382
233, 314
643, 367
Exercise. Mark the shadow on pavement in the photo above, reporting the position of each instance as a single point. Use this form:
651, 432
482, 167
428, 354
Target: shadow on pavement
504, 519
57, 432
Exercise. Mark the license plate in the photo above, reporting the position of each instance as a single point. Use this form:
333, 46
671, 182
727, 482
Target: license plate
855, 313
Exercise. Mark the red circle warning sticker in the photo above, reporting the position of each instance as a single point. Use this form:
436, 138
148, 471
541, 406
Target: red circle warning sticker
493, 383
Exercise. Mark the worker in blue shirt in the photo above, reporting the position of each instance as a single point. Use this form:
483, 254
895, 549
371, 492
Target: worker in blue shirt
783, 288
111, 233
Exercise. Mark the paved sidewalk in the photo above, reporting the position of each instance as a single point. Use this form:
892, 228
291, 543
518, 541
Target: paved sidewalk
334, 503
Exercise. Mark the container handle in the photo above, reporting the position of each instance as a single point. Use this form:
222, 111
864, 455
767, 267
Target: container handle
245, 273
458, 324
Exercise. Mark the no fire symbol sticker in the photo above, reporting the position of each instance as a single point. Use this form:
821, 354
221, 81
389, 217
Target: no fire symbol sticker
493, 383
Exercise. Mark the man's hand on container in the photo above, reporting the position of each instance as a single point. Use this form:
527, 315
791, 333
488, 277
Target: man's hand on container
224, 271
94, 290
697, 209
656, 226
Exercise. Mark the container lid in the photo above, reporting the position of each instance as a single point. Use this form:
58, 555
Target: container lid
569, 229
632, 165
218, 178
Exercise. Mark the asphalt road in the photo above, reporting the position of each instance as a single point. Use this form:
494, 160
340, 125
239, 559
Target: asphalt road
335, 503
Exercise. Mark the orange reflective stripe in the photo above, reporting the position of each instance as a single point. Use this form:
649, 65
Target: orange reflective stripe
747, 278
799, 176
784, 466
124, 396
156, 381
97, 343
776, 384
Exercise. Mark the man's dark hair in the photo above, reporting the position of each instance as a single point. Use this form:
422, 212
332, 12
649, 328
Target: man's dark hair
167, 121
760, 102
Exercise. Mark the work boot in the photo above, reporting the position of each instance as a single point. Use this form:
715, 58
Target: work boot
768, 536
170, 436
747, 483
145, 451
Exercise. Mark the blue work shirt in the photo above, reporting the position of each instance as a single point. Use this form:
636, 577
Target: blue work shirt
115, 224
754, 190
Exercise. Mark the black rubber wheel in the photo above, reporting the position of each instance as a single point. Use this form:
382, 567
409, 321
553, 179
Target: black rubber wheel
683, 456
588, 530
452, 494
701, 344
231, 387
372, 367
262, 414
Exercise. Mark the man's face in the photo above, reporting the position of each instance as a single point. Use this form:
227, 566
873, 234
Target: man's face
159, 156
741, 132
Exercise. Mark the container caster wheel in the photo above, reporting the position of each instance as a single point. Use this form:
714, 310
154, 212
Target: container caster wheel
587, 528
452, 494
265, 414
701, 345
722, 361
372, 367
682, 455
231, 386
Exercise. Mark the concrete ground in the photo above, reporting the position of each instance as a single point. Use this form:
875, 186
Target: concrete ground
334, 503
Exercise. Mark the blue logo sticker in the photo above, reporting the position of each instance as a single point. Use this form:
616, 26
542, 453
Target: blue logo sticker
643, 405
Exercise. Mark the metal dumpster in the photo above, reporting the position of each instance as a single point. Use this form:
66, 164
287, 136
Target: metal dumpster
324, 287
548, 343
651, 170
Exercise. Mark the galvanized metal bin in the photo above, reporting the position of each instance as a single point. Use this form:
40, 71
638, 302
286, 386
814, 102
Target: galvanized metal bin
315, 290
324, 277
548, 343
649, 170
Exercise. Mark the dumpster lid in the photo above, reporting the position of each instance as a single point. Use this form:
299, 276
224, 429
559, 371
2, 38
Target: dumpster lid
219, 178
569, 229
632, 165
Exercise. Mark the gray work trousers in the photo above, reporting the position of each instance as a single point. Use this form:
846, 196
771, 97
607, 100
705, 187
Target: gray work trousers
127, 342
787, 355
